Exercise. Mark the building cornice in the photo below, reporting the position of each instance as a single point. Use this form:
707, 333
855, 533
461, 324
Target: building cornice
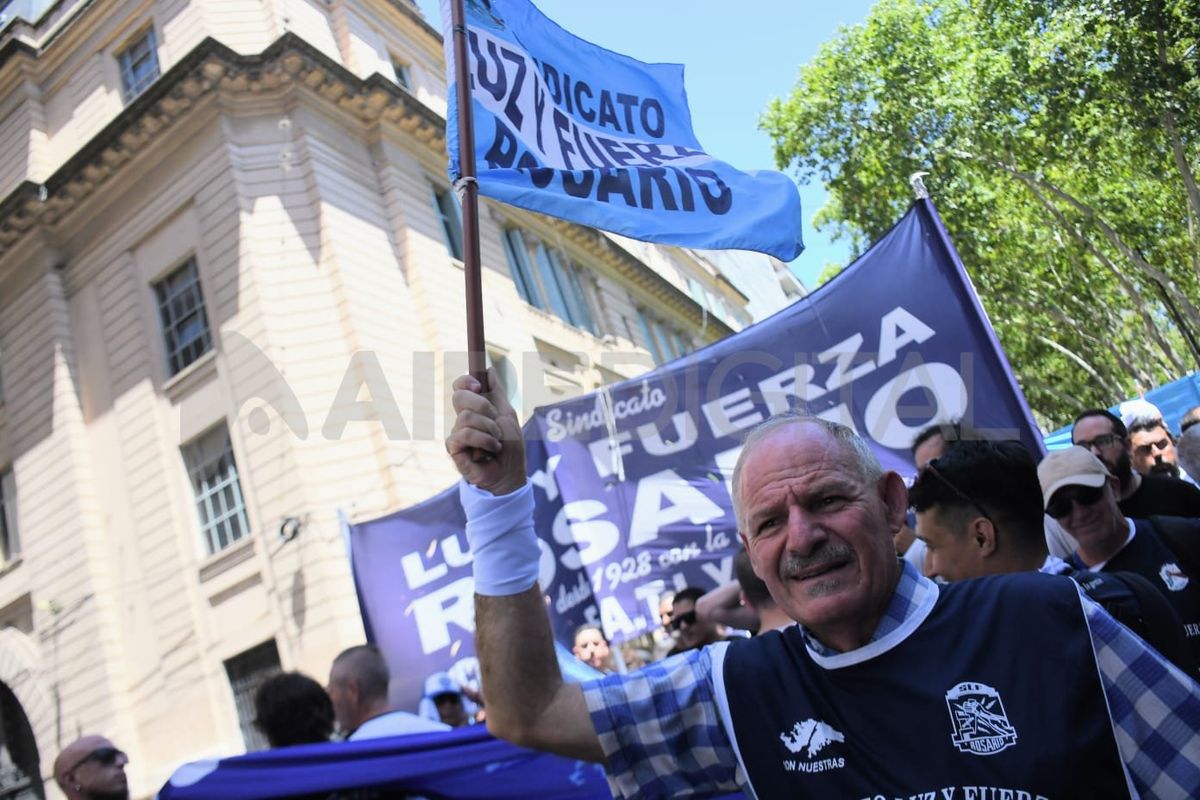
407, 9
289, 64
209, 68
15, 47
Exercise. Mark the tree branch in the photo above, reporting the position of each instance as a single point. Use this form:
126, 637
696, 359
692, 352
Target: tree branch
1154, 273
1177, 150
1127, 366
1127, 286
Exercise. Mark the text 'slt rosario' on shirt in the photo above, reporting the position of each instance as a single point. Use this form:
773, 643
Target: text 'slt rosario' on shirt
949, 706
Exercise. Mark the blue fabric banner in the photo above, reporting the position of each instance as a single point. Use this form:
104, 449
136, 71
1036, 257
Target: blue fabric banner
579, 132
631, 482
464, 764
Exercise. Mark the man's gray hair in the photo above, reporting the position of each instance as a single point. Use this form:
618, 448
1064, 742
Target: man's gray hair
1188, 451
864, 458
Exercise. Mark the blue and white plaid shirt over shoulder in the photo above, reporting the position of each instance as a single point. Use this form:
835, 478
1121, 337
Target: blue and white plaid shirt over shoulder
663, 736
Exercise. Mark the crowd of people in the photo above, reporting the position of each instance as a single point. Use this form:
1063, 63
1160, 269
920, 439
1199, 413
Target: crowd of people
1057, 602
292, 709
1003, 628
982, 507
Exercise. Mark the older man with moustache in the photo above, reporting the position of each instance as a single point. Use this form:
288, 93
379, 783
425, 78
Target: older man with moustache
825, 708
92, 768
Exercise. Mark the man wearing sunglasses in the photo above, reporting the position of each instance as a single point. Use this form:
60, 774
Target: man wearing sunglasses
92, 768
979, 511
1103, 433
1081, 494
690, 631
888, 684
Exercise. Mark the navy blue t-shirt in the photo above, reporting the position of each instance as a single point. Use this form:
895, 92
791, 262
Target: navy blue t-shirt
1149, 556
994, 694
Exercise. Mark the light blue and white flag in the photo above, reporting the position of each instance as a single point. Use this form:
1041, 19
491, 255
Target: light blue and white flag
570, 129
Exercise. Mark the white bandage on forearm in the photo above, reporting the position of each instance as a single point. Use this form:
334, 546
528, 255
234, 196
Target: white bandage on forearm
504, 548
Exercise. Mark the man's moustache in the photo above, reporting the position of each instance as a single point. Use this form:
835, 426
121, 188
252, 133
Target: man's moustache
794, 564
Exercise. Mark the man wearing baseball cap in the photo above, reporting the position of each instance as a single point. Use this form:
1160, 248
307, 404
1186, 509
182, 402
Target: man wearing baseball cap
446, 697
1081, 495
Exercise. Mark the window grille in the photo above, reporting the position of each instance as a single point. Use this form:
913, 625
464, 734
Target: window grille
139, 64
247, 671
184, 322
217, 489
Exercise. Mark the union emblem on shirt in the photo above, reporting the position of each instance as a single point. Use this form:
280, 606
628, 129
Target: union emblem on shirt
980, 725
1175, 578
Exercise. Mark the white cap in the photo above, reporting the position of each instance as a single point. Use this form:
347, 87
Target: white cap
1139, 409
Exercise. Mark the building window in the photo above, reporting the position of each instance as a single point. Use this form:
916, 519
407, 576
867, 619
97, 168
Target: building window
681, 346
447, 208
522, 272
662, 340
247, 671
218, 492
10, 543
548, 280
139, 64
181, 310
401, 71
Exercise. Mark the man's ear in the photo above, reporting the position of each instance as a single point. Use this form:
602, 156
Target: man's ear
983, 535
895, 500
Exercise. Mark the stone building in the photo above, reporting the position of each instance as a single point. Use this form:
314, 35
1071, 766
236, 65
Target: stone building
230, 301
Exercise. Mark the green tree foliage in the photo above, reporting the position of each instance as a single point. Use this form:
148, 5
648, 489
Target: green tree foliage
1062, 139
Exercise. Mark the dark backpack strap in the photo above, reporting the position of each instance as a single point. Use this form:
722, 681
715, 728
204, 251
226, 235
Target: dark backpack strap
1156, 621
1182, 537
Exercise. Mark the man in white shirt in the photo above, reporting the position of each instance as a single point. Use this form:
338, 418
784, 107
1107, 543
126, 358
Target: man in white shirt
358, 687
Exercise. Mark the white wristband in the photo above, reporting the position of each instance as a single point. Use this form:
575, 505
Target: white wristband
504, 548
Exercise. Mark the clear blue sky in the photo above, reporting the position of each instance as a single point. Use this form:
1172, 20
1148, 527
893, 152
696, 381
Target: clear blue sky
737, 57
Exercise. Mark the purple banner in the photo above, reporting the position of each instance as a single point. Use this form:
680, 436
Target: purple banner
632, 481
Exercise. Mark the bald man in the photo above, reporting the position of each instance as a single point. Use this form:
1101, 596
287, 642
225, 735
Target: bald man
92, 768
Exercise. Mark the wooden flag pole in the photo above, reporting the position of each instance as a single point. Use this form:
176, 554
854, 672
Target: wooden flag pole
469, 193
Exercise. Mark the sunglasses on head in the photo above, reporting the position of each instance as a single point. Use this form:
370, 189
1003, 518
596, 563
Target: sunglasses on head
688, 618
1060, 505
931, 469
104, 756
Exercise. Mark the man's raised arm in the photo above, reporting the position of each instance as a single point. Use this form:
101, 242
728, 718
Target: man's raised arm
527, 701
